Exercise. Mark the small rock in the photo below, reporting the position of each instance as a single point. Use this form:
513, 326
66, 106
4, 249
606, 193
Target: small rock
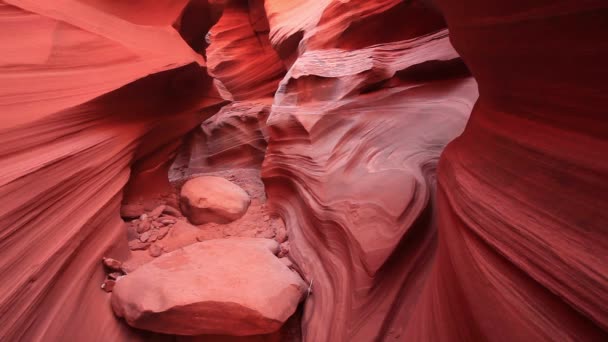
155, 250
167, 222
156, 224
172, 211
115, 275
162, 232
137, 245
143, 226
157, 211
144, 237
108, 285
143, 217
112, 264
153, 235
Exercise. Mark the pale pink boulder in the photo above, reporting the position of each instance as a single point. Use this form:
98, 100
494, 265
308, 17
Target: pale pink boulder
213, 199
226, 286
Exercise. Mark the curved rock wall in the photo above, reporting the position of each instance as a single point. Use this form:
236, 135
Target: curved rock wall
519, 253
356, 131
240, 57
235, 137
73, 124
522, 192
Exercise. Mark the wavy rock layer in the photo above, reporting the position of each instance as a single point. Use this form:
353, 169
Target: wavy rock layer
356, 131
235, 137
502, 240
355, 134
240, 56
522, 192
66, 154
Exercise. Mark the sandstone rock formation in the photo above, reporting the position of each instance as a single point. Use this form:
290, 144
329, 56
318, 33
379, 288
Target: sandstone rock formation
227, 286
213, 199
356, 131
240, 57
347, 106
235, 137
80, 110
522, 192
355, 136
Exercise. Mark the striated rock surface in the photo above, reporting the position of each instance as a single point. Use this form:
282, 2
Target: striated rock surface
213, 199
235, 137
66, 37
355, 136
522, 192
356, 132
78, 110
240, 56
500, 241
229, 286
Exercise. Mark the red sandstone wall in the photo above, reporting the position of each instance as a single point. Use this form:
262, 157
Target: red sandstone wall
351, 105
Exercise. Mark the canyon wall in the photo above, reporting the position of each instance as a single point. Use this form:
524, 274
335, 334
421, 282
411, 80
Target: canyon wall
356, 131
347, 107
522, 192
79, 112
513, 246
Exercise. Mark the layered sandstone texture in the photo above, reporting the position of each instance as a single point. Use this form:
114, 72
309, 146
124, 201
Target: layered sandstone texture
356, 131
407, 219
90, 95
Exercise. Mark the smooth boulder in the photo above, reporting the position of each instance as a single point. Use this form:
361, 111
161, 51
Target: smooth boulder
226, 286
213, 199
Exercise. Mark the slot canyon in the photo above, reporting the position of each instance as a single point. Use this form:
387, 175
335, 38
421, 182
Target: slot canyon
304, 170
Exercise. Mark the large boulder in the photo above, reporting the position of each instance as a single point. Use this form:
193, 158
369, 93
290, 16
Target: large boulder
226, 286
213, 199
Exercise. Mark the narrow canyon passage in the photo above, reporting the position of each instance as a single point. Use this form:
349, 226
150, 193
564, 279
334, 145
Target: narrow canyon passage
328, 170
